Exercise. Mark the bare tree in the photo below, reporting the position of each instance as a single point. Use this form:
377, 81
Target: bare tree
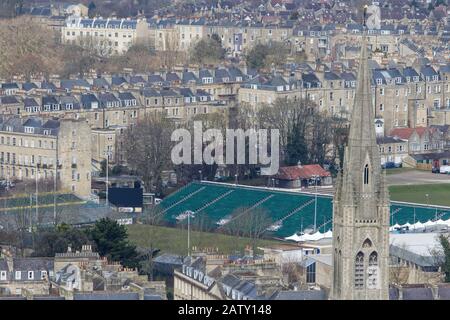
28, 49
250, 223
441, 256
148, 149
151, 216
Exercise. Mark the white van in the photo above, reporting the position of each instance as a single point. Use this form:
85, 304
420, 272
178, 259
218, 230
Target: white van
444, 169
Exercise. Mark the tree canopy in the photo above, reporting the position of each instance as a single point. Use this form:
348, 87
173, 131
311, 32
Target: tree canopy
111, 241
267, 55
207, 50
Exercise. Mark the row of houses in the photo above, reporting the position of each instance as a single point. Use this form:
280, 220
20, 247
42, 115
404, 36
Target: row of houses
72, 275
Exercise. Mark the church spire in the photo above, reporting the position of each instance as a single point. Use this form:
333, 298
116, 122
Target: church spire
361, 204
362, 130
363, 154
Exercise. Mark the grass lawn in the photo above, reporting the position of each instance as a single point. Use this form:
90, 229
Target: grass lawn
174, 240
439, 194
398, 170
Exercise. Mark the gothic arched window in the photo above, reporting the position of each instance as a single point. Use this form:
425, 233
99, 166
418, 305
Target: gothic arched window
372, 279
366, 174
367, 243
359, 271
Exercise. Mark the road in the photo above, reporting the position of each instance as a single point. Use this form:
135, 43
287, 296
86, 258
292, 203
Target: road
416, 177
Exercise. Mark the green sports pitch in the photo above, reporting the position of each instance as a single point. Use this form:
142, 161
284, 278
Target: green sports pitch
290, 211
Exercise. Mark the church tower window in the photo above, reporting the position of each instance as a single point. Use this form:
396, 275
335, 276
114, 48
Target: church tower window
373, 270
366, 174
359, 270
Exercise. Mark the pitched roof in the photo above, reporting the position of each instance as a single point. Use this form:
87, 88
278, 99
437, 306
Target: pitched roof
302, 172
405, 133
417, 294
301, 295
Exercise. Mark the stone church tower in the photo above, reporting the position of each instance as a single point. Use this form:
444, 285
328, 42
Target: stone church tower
361, 206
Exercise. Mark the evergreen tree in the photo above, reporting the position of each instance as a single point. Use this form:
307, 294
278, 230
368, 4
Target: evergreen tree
92, 9
111, 241
296, 148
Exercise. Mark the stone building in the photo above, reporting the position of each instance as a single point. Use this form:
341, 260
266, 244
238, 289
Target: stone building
108, 36
17, 274
392, 150
361, 206
217, 277
34, 148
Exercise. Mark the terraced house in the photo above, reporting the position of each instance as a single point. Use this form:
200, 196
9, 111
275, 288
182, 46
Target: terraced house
34, 148
110, 36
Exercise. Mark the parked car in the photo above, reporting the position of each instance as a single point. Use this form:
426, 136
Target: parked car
435, 170
444, 169
388, 165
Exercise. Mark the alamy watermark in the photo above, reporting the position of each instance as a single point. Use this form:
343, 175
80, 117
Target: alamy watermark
259, 152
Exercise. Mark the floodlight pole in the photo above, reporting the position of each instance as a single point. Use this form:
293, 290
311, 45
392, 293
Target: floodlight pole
189, 234
37, 207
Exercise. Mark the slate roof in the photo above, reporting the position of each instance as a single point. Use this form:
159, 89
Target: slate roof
48, 86
29, 86
172, 77
189, 76
87, 99
168, 258
301, 295
155, 78
126, 96
101, 83
118, 81
444, 292
417, 294
9, 100
331, 76
33, 264
204, 73
393, 294
150, 92
310, 78
106, 296
12, 85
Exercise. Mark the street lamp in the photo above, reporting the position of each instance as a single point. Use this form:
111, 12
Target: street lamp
200, 174
108, 154
236, 179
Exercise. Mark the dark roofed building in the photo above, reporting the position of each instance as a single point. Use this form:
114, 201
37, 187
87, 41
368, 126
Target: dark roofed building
300, 295
106, 296
417, 294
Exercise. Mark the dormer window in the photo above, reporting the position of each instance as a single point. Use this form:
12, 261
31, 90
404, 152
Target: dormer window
379, 81
29, 130
46, 132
